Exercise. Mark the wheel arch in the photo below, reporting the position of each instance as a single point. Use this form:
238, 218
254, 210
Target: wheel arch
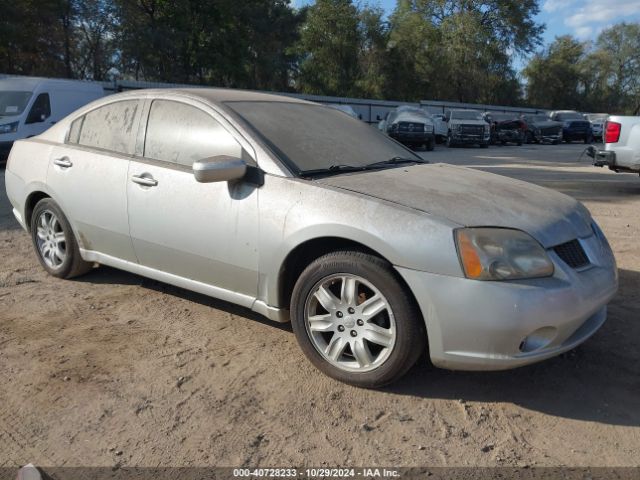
30, 203
306, 252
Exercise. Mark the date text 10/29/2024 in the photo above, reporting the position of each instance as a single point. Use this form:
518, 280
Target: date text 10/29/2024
364, 473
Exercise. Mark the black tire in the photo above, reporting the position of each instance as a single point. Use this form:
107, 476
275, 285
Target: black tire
484, 145
528, 138
431, 144
449, 141
587, 140
555, 142
73, 265
410, 341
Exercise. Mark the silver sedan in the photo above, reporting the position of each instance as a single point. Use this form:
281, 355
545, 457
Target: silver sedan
304, 214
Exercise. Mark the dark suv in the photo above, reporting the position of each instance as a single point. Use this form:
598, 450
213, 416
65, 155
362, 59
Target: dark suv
574, 126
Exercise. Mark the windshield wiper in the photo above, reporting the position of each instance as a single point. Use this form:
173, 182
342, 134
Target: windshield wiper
331, 169
393, 161
336, 169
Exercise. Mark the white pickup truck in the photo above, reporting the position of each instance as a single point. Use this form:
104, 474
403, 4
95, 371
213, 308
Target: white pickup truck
621, 145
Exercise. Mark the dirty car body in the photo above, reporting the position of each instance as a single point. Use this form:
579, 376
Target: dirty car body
320, 220
411, 126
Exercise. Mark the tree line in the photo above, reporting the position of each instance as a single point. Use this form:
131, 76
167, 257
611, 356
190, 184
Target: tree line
457, 50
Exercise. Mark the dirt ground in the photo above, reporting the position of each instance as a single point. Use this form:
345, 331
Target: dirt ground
114, 369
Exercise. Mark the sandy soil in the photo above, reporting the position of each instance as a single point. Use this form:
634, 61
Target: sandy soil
113, 369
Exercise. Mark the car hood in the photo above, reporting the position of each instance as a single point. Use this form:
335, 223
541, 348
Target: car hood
413, 118
471, 198
9, 118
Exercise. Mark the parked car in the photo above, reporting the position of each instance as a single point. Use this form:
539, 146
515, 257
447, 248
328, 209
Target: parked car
348, 109
28, 106
574, 125
597, 124
411, 126
304, 214
505, 128
440, 127
621, 151
540, 129
467, 127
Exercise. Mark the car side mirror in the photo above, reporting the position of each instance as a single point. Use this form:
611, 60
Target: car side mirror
220, 168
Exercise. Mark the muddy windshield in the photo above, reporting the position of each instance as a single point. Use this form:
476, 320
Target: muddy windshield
309, 137
13, 103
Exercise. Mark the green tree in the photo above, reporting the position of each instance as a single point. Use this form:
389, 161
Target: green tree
37, 37
555, 77
613, 70
329, 49
461, 50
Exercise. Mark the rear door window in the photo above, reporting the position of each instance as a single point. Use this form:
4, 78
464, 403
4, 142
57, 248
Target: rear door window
182, 134
111, 127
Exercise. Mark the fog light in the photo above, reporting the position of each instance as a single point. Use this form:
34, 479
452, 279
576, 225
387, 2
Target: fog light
538, 339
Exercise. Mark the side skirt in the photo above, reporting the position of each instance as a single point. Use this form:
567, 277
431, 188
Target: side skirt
247, 301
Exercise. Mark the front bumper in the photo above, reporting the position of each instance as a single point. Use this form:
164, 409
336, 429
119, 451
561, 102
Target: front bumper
412, 137
577, 134
470, 139
548, 137
5, 148
480, 325
510, 136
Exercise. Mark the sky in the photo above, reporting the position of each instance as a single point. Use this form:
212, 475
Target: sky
584, 19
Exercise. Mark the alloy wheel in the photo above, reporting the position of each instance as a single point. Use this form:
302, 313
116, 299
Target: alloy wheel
51, 240
350, 323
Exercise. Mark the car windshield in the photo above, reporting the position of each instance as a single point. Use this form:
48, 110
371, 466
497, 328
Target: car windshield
13, 103
466, 115
311, 137
570, 116
537, 118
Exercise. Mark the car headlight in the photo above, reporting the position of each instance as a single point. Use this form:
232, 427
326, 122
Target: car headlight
501, 254
487, 128
9, 127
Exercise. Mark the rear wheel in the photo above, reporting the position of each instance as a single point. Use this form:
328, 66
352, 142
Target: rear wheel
54, 242
355, 321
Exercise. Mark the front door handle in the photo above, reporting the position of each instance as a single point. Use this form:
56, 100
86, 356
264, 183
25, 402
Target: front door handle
146, 181
63, 162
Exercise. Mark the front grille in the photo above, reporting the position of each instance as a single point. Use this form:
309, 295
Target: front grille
572, 254
550, 130
410, 127
472, 129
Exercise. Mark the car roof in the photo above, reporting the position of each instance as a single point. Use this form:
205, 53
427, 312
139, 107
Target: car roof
218, 95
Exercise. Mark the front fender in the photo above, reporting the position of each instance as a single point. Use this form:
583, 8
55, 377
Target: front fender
294, 211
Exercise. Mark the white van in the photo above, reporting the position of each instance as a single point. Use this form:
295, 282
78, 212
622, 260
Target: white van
29, 106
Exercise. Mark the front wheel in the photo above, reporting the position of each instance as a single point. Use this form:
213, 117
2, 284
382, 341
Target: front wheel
355, 321
431, 144
54, 242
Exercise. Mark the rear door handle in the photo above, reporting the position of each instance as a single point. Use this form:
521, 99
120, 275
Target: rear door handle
146, 181
63, 162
